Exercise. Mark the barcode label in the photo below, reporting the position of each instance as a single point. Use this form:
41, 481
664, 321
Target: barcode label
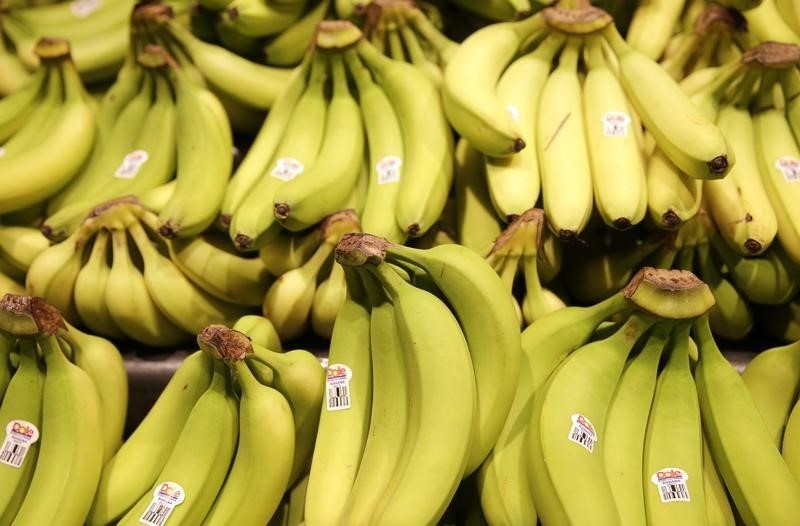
337, 394
166, 496
790, 168
671, 483
616, 124
20, 434
582, 432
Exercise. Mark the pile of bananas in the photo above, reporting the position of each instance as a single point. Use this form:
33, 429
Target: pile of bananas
64, 397
421, 374
233, 428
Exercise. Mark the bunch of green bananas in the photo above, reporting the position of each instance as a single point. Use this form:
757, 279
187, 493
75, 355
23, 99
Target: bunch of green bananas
310, 286
576, 137
118, 277
64, 397
421, 371
97, 32
46, 128
384, 151
233, 428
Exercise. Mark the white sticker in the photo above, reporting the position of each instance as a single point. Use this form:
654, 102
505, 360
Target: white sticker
789, 167
324, 362
582, 432
84, 8
166, 496
616, 124
287, 168
20, 436
337, 394
671, 484
131, 164
2, 151
388, 169
513, 111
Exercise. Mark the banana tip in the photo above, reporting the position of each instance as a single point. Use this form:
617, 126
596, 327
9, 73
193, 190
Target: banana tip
243, 241
670, 219
753, 247
519, 145
622, 223
718, 164
282, 210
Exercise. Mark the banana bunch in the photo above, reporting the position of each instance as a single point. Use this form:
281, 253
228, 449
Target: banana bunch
581, 125
46, 129
527, 247
97, 33
403, 423
310, 290
384, 150
236, 420
118, 277
163, 137
403, 31
64, 397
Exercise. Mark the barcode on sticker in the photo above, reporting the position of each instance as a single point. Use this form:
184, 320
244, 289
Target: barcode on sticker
388, 169
166, 496
131, 164
20, 435
671, 483
84, 8
337, 394
616, 124
790, 168
582, 432
287, 168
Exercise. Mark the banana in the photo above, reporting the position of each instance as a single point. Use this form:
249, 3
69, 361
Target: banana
7, 345
130, 305
117, 97
514, 181
21, 418
287, 250
687, 137
773, 379
731, 316
427, 141
70, 459
299, 377
19, 245
477, 225
258, 18
739, 203
438, 432
289, 47
90, 289
195, 470
296, 152
385, 150
250, 83
260, 330
564, 418
617, 167
15, 74
672, 196
502, 480
8, 284
185, 305
673, 448
264, 145
134, 468
470, 79
103, 363
386, 433
766, 23
416, 54
264, 452
538, 300
790, 12
779, 162
497, 10
325, 187
464, 278
328, 300
343, 428
422, 20
789, 448
626, 428
652, 24
562, 148
44, 168
718, 505
760, 483
16, 106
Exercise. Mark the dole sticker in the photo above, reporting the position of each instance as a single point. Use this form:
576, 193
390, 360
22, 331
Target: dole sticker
388, 169
166, 497
671, 483
287, 168
20, 435
337, 393
616, 124
582, 432
790, 168
131, 164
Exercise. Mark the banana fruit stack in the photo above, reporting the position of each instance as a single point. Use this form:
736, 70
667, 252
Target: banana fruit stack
63, 401
384, 150
117, 276
233, 428
46, 128
575, 136
652, 444
421, 372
